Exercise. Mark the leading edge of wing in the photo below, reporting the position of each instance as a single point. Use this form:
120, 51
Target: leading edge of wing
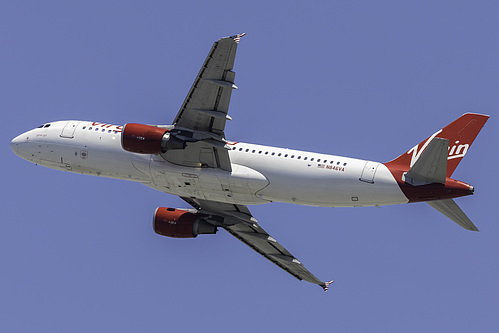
239, 222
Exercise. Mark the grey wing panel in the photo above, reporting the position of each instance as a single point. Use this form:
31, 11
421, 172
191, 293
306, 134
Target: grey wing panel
202, 153
207, 103
449, 208
259, 240
239, 222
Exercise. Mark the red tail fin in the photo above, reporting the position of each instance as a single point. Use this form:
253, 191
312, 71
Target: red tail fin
461, 133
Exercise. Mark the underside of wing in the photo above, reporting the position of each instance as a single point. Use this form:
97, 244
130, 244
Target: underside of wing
200, 123
239, 222
207, 103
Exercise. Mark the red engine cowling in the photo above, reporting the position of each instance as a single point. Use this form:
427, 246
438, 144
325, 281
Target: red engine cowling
143, 139
179, 223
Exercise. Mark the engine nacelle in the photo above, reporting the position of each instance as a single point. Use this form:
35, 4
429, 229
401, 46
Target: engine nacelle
143, 139
146, 139
179, 223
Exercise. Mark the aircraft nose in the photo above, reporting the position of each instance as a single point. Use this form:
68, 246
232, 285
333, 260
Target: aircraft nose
14, 144
20, 143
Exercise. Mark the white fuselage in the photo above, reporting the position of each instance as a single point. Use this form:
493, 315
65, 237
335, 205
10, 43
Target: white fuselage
260, 174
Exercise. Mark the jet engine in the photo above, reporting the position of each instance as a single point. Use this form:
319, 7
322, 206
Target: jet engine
146, 139
179, 223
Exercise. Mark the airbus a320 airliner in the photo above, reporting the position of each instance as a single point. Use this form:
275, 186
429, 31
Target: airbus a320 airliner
219, 178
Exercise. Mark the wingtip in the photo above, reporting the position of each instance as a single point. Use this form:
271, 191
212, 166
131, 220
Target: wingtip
474, 228
325, 286
237, 37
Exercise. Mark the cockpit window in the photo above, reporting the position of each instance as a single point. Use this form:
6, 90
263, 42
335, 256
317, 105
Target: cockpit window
48, 125
41, 126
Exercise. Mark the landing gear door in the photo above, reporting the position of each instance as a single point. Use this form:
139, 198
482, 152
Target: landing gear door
368, 172
69, 130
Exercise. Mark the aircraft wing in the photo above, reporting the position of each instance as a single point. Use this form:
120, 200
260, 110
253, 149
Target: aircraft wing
207, 103
200, 123
239, 222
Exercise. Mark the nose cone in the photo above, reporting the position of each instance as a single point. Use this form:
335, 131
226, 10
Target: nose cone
14, 144
22, 145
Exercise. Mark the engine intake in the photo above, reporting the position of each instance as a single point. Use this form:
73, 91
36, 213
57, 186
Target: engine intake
179, 223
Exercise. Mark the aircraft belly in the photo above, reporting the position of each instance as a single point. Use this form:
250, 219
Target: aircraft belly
245, 183
333, 188
237, 187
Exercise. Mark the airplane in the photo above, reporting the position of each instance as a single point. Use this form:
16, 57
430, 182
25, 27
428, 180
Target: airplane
219, 178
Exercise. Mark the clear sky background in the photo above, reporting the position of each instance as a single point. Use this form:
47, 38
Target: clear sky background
366, 79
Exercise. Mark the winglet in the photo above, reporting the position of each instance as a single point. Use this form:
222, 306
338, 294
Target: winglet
325, 286
237, 37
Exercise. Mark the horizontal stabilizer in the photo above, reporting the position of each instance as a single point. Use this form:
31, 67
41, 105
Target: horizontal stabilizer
449, 208
431, 166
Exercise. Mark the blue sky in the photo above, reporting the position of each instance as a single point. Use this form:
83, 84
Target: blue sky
365, 79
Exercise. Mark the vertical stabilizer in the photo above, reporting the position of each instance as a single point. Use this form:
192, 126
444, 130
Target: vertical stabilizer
461, 133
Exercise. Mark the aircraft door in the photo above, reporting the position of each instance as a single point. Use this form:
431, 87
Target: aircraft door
69, 130
369, 172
